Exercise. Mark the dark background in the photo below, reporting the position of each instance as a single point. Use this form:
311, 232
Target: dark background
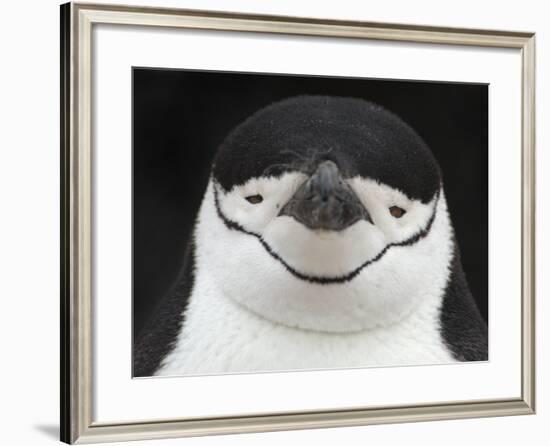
180, 117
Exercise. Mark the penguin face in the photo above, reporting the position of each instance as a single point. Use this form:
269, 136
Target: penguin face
324, 234
325, 214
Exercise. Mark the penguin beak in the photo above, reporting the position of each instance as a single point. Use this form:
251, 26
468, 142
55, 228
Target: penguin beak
325, 201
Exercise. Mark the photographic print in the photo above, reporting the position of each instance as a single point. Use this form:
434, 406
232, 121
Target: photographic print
285, 222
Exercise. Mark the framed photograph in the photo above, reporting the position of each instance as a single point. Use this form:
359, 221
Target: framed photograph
278, 223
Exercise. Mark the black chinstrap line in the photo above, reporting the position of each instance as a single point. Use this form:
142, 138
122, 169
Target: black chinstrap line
230, 224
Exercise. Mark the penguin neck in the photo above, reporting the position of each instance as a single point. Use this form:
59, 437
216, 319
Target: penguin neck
209, 298
220, 335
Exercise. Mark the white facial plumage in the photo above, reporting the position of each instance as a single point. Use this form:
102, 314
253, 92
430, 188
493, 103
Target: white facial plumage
366, 276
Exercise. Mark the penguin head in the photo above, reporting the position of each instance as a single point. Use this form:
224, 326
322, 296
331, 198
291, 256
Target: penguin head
327, 214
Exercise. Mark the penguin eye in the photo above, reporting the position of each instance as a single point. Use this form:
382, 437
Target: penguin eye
397, 212
255, 199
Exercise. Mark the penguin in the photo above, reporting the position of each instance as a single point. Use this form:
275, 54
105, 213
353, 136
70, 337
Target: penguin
323, 241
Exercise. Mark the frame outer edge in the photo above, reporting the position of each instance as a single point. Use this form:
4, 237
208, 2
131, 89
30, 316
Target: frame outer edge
311, 420
82, 231
528, 224
232, 21
76, 229
65, 258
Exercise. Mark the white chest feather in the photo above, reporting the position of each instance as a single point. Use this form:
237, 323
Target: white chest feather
220, 336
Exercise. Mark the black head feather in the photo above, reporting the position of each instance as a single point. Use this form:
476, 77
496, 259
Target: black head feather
362, 138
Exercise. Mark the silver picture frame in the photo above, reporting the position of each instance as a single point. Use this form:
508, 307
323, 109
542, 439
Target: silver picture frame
77, 22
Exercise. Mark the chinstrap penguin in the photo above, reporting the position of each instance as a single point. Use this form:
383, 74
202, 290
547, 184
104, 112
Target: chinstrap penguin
323, 241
